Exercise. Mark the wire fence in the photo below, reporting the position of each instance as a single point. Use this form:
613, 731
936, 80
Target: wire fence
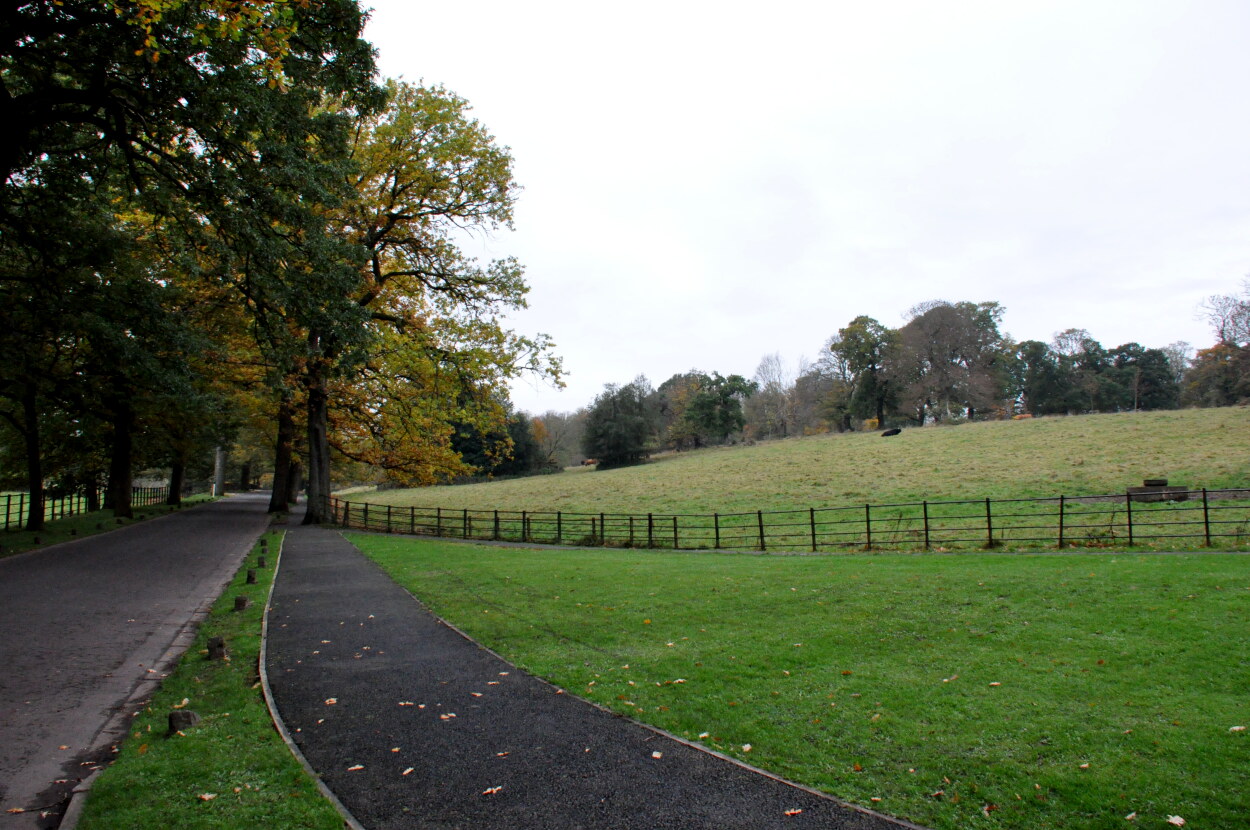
1210, 517
16, 504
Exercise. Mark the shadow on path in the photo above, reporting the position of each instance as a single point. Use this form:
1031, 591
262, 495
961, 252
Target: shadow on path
412, 725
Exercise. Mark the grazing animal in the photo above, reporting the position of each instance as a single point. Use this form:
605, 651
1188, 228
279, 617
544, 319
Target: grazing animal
890, 432
589, 462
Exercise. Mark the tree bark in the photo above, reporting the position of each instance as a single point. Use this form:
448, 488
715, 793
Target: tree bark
295, 482
280, 499
177, 475
121, 471
34, 463
317, 511
245, 476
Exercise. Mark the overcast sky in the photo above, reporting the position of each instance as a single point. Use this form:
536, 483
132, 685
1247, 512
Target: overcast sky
707, 183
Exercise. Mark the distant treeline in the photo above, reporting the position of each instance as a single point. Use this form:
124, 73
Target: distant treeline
948, 363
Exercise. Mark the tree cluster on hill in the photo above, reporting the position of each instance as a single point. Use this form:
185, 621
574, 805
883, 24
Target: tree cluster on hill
216, 223
949, 362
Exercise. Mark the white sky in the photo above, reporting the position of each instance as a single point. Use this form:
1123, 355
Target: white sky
706, 183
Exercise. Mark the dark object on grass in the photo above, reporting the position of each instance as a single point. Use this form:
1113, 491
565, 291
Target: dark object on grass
890, 432
260, 561
181, 719
216, 648
251, 576
241, 603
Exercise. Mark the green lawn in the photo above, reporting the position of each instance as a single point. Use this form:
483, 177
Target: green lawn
232, 770
1060, 691
1041, 457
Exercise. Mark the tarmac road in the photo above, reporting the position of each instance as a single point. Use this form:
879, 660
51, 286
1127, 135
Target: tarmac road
91, 624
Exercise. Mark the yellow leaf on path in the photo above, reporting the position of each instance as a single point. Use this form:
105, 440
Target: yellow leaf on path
476, 694
394, 749
793, 812
491, 790
15, 810
405, 772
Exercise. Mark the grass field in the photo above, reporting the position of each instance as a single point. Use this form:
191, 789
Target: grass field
1041, 457
1060, 691
230, 770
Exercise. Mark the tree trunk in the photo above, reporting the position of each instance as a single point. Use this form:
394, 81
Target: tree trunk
295, 482
280, 499
121, 472
245, 476
317, 510
34, 463
177, 475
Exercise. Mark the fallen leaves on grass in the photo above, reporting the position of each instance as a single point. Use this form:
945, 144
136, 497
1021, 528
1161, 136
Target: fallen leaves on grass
1236, 729
206, 796
1177, 820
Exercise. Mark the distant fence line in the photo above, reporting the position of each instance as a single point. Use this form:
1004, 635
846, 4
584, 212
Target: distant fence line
15, 504
1093, 521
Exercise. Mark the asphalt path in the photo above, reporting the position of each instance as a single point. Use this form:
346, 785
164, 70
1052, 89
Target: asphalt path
88, 627
412, 725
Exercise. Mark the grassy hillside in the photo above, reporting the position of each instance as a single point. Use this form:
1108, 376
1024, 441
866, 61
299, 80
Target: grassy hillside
1042, 457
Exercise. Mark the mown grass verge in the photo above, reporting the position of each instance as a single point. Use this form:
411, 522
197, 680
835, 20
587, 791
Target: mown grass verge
230, 770
1038, 458
1012, 691
85, 524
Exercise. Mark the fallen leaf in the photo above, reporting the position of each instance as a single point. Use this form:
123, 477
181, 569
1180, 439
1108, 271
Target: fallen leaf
330, 701
949, 679
1177, 820
1131, 816
1236, 729
394, 749
746, 747
15, 810
476, 694
355, 767
996, 684
793, 812
185, 701
447, 716
405, 772
501, 755
406, 703
857, 768
657, 755
874, 799
704, 735
491, 790
206, 796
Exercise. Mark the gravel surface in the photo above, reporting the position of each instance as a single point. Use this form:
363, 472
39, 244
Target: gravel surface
88, 624
412, 725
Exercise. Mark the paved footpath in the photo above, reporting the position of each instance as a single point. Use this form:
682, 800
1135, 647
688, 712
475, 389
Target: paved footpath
413, 726
86, 626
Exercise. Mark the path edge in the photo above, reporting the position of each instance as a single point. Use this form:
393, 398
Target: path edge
903, 823
348, 819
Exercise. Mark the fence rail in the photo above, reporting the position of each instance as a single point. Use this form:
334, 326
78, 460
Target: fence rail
1215, 516
16, 504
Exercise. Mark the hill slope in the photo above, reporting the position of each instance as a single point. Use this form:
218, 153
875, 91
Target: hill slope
1084, 455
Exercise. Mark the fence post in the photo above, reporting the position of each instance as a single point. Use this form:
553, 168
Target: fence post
925, 506
603, 530
412, 520
1206, 518
867, 527
525, 526
1128, 510
989, 526
464, 523
676, 546
1061, 501
631, 530
468, 525
8, 508
388, 518
438, 521
650, 531
21, 507
364, 515
759, 517
559, 527
496, 534
811, 515
594, 530
716, 530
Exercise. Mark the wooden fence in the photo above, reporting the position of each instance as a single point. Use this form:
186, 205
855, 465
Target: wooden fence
15, 505
1213, 517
